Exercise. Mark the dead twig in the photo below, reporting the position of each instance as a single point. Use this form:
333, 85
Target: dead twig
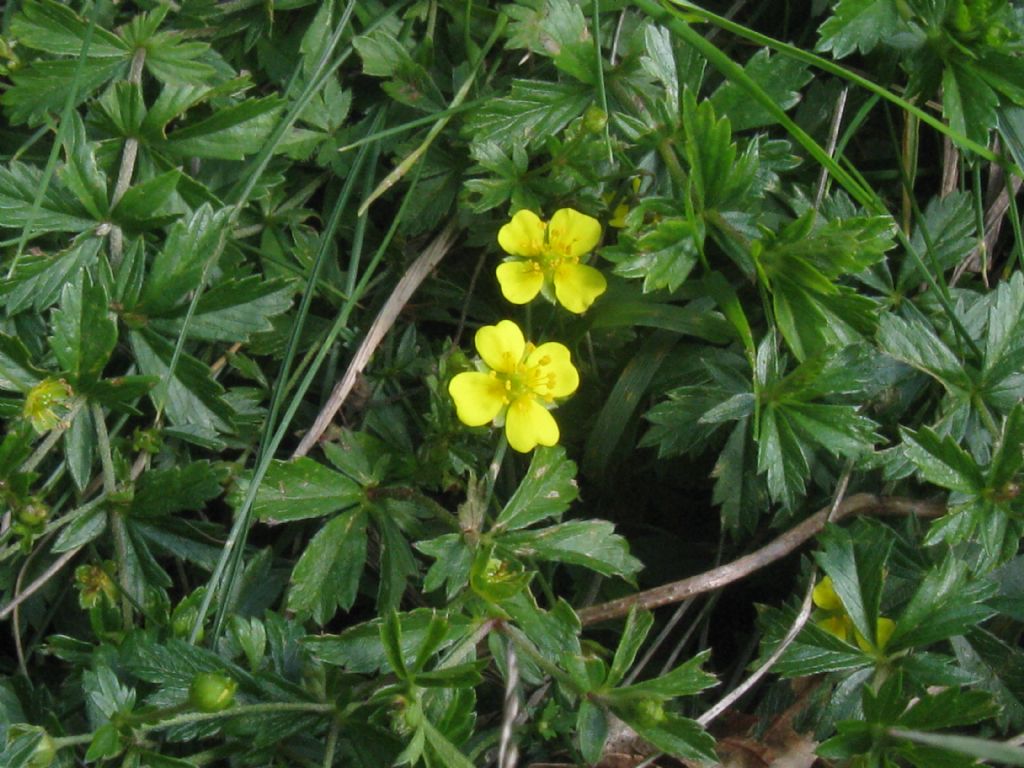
668, 594
404, 290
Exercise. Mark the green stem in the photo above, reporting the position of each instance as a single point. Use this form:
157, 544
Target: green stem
526, 646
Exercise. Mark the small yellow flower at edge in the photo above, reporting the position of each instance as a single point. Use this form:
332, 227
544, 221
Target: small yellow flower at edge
546, 255
520, 386
838, 623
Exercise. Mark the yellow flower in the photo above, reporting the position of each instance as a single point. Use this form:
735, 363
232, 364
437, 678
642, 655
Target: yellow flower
883, 631
548, 254
825, 596
48, 404
518, 389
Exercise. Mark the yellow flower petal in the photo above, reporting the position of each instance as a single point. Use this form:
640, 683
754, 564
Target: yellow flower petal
571, 233
577, 285
839, 626
824, 595
883, 631
528, 424
479, 397
520, 281
523, 236
559, 376
501, 346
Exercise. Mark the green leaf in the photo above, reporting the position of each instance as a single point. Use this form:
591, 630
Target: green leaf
183, 488
384, 56
145, 201
453, 559
178, 268
17, 374
738, 490
592, 731
663, 255
660, 63
941, 461
780, 457
106, 742
45, 25
532, 111
42, 88
855, 560
1008, 457
84, 331
397, 563
914, 343
546, 491
638, 625
1004, 344
84, 528
39, 278
176, 62
446, 753
590, 543
80, 173
860, 25
327, 574
391, 642
80, 448
231, 133
720, 176
812, 652
950, 224
58, 211
191, 396
948, 602
948, 709
837, 428
234, 310
360, 649
685, 680
300, 489
557, 30
677, 736
968, 103
781, 77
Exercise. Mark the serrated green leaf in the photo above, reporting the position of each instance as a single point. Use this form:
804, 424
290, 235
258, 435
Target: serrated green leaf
968, 103
42, 87
813, 651
664, 255
58, 211
859, 25
855, 561
45, 25
146, 200
781, 77
840, 429
231, 133
80, 448
638, 625
186, 487
303, 488
234, 310
720, 175
397, 563
174, 61
685, 680
327, 574
84, 528
453, 559
39, 278
178, 268
941, 461
17, 374
738, 490
532, 111
191, 396
950, 224
914, 343
780, 457
948, 602
590, 543
81, 174
675, 735
547, 490
84, 331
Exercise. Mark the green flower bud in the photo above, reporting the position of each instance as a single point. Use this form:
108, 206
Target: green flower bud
33, 514
211, 692
595, 119
45, 750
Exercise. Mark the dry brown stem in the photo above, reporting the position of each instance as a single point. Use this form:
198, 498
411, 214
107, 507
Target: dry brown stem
676, 591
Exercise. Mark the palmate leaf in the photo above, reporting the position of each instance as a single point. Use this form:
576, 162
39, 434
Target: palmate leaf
546, 491
532, 111
234, 310
721, 175
913, 342
231, 133
46, 25
58, 211
663, 252
42, 87
781, 77
39, 278
303, 488
191, 396
860, 25
327, 574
